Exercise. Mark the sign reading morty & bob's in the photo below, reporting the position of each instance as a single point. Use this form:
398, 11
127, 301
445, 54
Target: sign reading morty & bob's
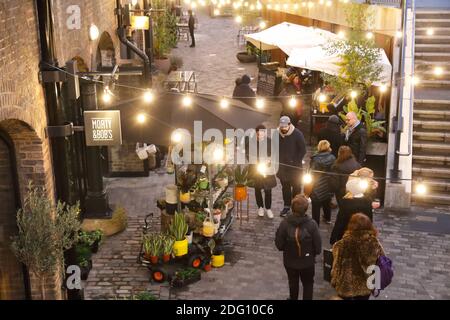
102, 128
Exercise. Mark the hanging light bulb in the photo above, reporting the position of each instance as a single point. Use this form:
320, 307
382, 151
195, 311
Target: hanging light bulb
421, 189
106, 97
141, 118
329, 3
285, 6
277, 6
262, 169
238, 19
246, 4
259, 6
296, 6
292, 102
224, 104
399, 34
193, 5
322, 98
303, 4
353, 94
187, 101
341, 35
307, 178
430, 31
369, 35
364, 184
148, 96
310, 4
260, 103
216, 12
383, 88
262, 25
415, 80
438, 71
94, 33
321, 2
252, 7
269, 6
177, 137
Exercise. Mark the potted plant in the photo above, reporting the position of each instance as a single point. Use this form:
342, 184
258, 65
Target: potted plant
218, 257
161, 38
152, 247
83, 260
247, 56
91, 239
168, 242
185, 277
241, 182
222, 180
179, 228
176, 62
185, 181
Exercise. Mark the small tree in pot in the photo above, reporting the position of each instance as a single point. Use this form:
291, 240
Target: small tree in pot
241, 181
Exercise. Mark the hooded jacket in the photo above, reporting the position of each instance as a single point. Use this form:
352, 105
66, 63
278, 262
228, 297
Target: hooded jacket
322, 162
332, 133
357, 141
351, 257
292, 148
286, 241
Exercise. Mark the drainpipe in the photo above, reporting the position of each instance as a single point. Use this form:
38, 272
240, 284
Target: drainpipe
149, 33
52, 92
121, 33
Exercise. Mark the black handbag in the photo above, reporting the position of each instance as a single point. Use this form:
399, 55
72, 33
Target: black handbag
327, 264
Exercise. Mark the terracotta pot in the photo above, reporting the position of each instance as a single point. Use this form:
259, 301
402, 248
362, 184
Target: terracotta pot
207, 267
240, 193
166, 258
154, 259
147, 257
163, 65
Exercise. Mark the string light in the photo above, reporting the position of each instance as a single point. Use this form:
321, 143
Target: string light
224, 104
307, 178
399, 34
193, 5
216, 12
363, 184
238, 19
141, 118
246, 4
383, 88
430, 31
415, 80
296, 6
94, 33
292, 102
176, 137
321, 2
262, 25
106, 97
260, 103
277, 7
269, 6
148, 96
310, 4
421, 189
341, 35
303, 4
262, 169
187, 101
369, 35
322, 98
329, 3
438, 71
252, 7
353, 94
258, 6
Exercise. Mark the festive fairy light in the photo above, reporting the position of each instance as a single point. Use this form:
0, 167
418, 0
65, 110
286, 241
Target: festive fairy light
421, 189
224, 104
277, 6
187, 101
292, 102
415, 80
148, 96
329, 3
369, 35
430, 31
399, 34
238, 19
322, 98
193, 5
258, 6
307, 179
341, 35
363, 184
141, 118
216, 12
218, 154
310, 4
106, 97
260, 103
262, 169
321, 2
296, 6
176, 137
353, 94
252, 7
262, 25
438, 71
94, 33
383, 88
269, 6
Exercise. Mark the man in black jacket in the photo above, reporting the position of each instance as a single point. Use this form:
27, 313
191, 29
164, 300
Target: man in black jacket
292, 149
356, 137
332, 133
299, 238
191, 25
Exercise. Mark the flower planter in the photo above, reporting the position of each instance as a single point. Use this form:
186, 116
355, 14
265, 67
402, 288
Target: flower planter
180, 248
166, 258
154, 259
185, 197
207, 267
163, 65
208, 228
218, 261
85, 271
240, 193
244, 57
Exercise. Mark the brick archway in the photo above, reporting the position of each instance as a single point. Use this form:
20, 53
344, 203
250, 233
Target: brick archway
106, 54
32, 163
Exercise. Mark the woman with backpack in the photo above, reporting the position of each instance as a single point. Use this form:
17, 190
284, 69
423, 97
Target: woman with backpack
299, 238
352, 255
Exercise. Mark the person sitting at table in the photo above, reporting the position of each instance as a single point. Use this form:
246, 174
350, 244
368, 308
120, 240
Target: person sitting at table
244, 92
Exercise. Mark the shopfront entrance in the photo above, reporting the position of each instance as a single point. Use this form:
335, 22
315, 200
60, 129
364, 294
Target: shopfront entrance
12, 279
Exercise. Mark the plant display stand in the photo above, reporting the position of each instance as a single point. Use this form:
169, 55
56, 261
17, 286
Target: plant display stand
240, 210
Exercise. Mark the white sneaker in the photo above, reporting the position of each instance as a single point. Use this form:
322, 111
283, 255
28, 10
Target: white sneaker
261, 212
269, 214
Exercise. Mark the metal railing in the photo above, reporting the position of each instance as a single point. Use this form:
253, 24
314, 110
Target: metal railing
386, 3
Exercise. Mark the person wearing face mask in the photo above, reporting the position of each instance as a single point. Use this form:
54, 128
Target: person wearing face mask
356, 137
292, 150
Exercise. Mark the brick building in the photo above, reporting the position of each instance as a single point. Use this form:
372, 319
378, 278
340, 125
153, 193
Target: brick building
25, 151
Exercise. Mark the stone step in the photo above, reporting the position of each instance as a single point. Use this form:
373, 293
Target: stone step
441, 14
437, 48
436, 23
428, 75
434, 198
431, 160
430, 171
435, 83
424, 39
421, 113
432, 125
429, 65
436, 31
431, 104
431, 136
433, 56
430, 148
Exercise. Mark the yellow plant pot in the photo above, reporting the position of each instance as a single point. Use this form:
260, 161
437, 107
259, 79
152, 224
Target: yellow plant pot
208, 228
185, 197
180, 248
218, 261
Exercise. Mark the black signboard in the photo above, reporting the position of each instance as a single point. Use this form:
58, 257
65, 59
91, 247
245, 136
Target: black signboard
102, 128
268, 83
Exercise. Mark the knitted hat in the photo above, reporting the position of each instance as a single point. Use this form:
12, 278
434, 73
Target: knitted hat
246, 79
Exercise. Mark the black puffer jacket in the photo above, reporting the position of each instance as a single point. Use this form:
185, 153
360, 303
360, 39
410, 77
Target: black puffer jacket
296, 257
332, 133
322, 162
358, 143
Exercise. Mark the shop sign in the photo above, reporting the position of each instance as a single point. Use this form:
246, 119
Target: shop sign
102, 128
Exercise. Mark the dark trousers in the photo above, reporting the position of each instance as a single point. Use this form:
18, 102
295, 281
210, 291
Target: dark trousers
307, 278
267, 198
325, 205
191, 31
290, 190
358, 298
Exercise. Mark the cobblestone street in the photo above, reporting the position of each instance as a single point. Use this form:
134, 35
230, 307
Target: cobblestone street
417, 241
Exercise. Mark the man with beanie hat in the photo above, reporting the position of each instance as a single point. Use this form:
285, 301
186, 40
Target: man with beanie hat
292, 149
332, 133
244, 92
299, 238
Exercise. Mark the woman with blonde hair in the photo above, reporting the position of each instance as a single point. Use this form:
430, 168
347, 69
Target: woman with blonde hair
352, 255
321, 192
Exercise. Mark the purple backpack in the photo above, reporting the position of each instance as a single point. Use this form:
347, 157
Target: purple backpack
386, 273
